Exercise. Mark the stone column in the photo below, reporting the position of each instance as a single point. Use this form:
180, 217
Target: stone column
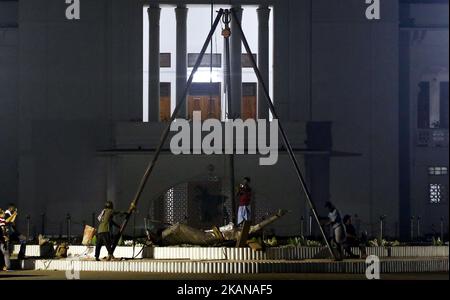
111, 176
263, 59
181, 72
317, 166
154, 13
236, 66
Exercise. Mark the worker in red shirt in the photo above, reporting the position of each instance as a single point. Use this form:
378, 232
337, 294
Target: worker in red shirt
244, 195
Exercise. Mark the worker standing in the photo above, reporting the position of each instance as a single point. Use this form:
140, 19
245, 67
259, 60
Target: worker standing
337, 228
244, 195
104, 230
13, 233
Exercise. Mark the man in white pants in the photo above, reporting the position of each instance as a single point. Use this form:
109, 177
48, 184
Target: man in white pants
245, 195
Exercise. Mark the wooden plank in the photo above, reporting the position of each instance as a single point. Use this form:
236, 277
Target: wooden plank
242, 240
217, 233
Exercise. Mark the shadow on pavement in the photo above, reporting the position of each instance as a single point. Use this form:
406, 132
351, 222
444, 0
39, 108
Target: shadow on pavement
17, 275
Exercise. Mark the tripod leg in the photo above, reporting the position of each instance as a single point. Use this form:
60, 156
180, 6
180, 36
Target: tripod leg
166, 131
282, 132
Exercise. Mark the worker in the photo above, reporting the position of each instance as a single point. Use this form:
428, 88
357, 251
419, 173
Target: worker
352, 239
4, 242
14, 235
337, 229
104, 230
244, 195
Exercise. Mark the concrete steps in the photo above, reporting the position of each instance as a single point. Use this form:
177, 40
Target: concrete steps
388, 265
227, 253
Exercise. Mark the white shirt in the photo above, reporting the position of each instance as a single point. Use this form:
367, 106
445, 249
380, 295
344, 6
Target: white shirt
335, 218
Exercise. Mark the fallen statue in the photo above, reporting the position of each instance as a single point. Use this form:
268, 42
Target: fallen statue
179, 234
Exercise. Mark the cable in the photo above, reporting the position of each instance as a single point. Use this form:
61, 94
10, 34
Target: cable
211, 50
211, 65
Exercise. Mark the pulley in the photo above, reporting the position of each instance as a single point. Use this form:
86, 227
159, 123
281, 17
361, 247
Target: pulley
226, 19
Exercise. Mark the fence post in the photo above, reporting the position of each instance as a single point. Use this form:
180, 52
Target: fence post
69, 233
310, 225
418, 228
83, 224
28, 227
302, 221
381, 226
134, 228
43, 223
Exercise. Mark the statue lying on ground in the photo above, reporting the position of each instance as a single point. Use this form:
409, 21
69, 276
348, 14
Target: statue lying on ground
179, 234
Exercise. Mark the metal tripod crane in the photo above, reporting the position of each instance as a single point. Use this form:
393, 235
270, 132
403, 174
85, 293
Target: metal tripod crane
224, 15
